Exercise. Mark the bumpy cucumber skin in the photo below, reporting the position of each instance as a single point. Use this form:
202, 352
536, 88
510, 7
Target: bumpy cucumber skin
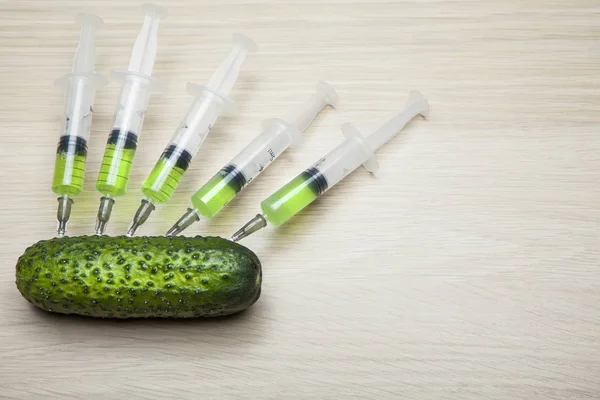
140, 277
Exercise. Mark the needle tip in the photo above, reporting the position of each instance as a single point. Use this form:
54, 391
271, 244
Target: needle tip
172, 232
132, 228
255, 224
104, 211
142, 214
100, 227
100, 231
63, 214
237, 236
62, 229
184, 222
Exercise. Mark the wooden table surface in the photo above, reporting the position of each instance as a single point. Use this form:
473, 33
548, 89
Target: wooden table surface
467, 269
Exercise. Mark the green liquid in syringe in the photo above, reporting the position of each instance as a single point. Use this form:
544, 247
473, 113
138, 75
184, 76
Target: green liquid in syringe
114, 171
69, 166
294, 196
166, 174
116, 163
218, 191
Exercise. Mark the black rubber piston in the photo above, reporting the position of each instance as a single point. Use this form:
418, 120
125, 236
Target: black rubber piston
129, 140
68, 144
316, 180
182, 157
235, 177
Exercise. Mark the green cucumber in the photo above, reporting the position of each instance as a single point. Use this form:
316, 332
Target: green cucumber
139, 277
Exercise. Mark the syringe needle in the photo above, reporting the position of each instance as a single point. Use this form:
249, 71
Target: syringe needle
184, 222
106, 206
255, 224
141, 216
63, 214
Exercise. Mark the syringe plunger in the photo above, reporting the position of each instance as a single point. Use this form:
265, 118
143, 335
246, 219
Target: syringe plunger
85, 53
84, 60
225, 76
301, 117
416, 105
144, 49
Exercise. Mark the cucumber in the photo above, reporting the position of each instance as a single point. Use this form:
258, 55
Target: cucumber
139, 277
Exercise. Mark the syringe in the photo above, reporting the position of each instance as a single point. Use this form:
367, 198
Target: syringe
278, 134
210, 102
80, 87
329, 170
137, 84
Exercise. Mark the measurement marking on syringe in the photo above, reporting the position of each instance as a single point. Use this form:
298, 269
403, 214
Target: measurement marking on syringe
117, 175
123, 161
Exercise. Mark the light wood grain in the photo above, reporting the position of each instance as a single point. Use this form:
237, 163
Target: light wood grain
468, 269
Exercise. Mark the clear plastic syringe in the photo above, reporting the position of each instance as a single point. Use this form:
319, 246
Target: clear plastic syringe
210, 102
277, 136
137, 85
329, 170
80, 87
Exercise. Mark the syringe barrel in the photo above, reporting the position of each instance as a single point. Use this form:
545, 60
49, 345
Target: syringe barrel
80, 92
243, 168
132, 102
121, 145
313, 182
79, 87
341, 161
71, 152
185, 143
81, 83
198, 122
263, 150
